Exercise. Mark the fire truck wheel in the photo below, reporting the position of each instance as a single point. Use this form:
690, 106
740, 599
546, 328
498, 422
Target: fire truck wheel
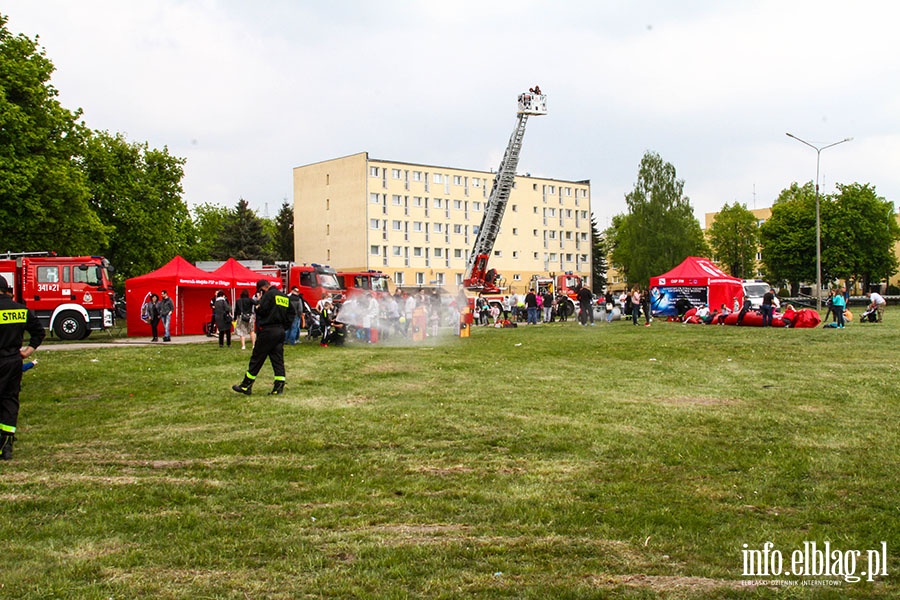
70, 325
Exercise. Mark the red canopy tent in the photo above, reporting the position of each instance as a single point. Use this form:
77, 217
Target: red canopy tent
699, 281
190, 288
241, 278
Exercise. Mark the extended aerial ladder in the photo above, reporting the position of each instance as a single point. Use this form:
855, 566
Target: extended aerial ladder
478, 277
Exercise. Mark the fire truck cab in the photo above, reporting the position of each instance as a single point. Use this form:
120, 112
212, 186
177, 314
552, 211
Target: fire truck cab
70, 295
567, 284
372, 281
316, 282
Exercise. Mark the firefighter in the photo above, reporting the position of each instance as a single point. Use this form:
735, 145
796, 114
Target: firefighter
273, 316
15, 320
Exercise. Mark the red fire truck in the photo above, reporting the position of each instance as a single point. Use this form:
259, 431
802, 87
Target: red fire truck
365, 281
567, 284
71, 295
316, 282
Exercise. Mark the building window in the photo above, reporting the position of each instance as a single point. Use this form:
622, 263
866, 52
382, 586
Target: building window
438, 253
375, 198
536, 257
397, 251
420, 278
373, 171
374, 250
395, 200
535, 210
457, 228
374, 224
457, 253
395, 225
398, 278
457, 204
417, 200
395, 173
553, 257
417, 225
417, 175
437, 203
535, 232
514, 208
439, 228
436, 178
417, 251
515, 254
515, 231
457, 180
517, 277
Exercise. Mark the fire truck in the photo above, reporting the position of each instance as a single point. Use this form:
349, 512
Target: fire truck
567, 284
70, 295
372, 281
478, 277
316, 282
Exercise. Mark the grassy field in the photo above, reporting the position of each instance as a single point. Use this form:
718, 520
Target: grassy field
554, 461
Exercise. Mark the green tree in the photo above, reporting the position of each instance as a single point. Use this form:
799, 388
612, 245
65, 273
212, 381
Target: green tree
282, 246
136, 191
43, 194
659, 230
244, 236
787, 239
208, 222
598, 258
859, 229
734, 237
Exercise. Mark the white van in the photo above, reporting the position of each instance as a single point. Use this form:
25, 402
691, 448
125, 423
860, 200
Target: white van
754, 290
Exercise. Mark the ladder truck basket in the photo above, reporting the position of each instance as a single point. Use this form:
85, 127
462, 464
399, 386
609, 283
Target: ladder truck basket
532, 104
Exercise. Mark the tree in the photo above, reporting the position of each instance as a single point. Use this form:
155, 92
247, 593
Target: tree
734, 237
787, 239
43, 194
598, 258
859, 229
136, 191
283, 234
659, 230
208, 221
243, 237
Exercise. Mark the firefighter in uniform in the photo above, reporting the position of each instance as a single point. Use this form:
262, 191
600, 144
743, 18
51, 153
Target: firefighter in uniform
15, 320
273, 316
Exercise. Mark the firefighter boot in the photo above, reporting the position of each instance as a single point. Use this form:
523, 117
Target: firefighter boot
278, 388
244, 387
6, 445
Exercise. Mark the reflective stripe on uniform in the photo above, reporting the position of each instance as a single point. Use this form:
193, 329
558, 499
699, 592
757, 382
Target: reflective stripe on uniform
7, 428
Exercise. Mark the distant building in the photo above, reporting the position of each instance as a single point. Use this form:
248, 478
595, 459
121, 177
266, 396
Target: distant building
417, 222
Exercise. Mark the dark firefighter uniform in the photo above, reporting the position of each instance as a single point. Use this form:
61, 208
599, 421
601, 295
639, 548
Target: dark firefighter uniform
15, 320
274, 315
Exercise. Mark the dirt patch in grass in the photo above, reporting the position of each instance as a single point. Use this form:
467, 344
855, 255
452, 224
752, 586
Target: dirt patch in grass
687, 585
701, 401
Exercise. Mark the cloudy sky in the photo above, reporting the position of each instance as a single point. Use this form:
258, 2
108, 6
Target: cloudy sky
246, 90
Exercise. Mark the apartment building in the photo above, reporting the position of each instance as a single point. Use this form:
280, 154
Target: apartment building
418, 222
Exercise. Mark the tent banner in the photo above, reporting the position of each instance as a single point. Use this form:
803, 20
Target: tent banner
664, 297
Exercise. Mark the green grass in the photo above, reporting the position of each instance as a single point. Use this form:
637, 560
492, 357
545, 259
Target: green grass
547, 462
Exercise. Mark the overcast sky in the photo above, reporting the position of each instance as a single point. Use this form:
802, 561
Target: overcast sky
247, 90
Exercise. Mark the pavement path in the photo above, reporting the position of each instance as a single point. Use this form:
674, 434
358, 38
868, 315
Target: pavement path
127, 341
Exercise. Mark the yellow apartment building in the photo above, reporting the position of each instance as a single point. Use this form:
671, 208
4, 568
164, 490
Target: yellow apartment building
418, 223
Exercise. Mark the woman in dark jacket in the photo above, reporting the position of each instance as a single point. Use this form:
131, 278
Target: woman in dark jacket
152, 312
222, 313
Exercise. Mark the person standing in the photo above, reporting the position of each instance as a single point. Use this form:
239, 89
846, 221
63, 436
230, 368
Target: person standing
245, 319
296, 300
635, 305
273, 316
15, 320
222, 315
840, 303
166, 308
531, 306
767, 307
585, 306
151, 309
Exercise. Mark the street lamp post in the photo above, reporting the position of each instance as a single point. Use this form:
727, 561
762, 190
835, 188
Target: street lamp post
818, 150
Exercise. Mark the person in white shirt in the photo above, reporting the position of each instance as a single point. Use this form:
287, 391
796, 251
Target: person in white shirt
878, 303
